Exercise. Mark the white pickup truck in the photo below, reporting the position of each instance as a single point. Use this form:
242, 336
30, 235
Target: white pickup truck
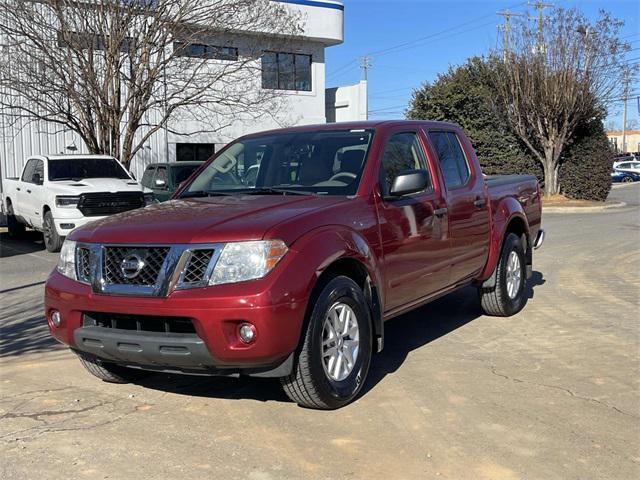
57, 193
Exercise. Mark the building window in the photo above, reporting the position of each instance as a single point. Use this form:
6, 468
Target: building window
194, 152
286, 71
202, 50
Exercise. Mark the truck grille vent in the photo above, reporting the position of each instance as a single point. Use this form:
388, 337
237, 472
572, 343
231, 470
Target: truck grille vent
140, 323
106, 203
197, 266
152, 260
83, 264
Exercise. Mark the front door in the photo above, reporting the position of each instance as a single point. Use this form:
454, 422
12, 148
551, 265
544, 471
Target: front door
414, 234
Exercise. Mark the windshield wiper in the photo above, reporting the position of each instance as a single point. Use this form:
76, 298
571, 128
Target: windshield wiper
205, 193
61, 179
276, 191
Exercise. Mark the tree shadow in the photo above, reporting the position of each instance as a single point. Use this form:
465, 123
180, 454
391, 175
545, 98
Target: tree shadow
29, 242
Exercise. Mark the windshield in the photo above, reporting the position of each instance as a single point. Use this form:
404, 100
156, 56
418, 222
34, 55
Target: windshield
79, 168
182, 172
323, 163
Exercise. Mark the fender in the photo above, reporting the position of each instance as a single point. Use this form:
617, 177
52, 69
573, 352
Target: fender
321, 248
506, 212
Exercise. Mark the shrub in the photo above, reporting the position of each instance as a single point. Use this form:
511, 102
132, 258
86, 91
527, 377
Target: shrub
585, 173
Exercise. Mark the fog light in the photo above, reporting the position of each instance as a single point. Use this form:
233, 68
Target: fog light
247, 333
56, 319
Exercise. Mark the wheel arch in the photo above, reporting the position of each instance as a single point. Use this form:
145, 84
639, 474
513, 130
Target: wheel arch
508, 218
342, 251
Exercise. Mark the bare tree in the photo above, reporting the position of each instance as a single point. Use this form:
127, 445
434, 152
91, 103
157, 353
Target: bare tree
551, 82
117, 71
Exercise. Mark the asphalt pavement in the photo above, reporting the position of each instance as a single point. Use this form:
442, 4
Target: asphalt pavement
551, 393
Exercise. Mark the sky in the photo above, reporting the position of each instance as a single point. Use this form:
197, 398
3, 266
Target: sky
431, 35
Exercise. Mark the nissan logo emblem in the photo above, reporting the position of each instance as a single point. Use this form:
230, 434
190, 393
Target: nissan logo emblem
131, 266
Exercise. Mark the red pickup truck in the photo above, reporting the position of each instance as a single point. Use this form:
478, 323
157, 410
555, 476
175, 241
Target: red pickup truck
284, 255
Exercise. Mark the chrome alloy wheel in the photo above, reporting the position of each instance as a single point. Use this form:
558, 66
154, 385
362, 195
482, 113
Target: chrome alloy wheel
514, 275
340, 341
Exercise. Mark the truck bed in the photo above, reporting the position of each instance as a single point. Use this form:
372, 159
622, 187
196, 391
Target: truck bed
523, 188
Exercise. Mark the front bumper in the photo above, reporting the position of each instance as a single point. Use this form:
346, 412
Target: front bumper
215, 312
68, 219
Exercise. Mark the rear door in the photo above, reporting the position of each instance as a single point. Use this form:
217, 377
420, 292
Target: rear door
414, 237
467, 205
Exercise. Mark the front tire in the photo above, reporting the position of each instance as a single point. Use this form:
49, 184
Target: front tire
14, 226
52, 241
333, 360
109, 372
507, 297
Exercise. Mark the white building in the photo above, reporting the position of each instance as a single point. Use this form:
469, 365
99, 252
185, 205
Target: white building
305, 102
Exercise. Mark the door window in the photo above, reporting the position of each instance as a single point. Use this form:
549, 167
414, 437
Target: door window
29, 169
402, 152
38, 170
147, 177
453, 162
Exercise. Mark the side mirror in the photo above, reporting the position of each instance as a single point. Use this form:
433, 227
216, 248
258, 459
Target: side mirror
409, 181
36, 178
159, 183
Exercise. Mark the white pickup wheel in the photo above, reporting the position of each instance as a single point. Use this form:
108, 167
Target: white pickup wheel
508, 296
52, 240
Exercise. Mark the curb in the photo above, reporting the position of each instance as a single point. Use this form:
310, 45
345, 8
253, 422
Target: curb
599, 208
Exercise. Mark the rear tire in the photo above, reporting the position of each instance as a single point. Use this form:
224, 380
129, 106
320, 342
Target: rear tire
627, 180
52, 241
14, 226
325, 380
109, 372
507, 297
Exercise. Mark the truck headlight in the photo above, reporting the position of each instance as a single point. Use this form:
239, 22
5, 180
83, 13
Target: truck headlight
67, 260
242, 261
69, 201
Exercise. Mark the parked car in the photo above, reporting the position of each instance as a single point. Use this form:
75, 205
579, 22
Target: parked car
57, 193
632, 166
164, 178
622, 176
346, 227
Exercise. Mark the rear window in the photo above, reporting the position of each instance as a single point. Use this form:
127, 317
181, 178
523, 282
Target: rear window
181, 173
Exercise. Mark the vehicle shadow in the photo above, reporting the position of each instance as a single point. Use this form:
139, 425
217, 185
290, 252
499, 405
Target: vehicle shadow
30, 242
403, 334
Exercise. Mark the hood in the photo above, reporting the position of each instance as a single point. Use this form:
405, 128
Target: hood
87, 185
203, 220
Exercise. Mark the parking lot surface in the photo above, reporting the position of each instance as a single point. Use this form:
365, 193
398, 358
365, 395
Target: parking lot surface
553, 392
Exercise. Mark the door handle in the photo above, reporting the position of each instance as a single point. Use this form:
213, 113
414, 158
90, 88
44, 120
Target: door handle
439, 212
18, 188
28, 191
479, 202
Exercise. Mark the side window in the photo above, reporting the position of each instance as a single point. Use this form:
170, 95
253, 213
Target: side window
161, 174
402, 152
147, 176
453, 163
39, 170
27, 173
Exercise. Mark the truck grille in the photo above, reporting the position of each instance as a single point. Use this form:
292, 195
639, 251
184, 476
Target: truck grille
152, 259
196, 269
139, 270
83, 264
139, 323
106, 203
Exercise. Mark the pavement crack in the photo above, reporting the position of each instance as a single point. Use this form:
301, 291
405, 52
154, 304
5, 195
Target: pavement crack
565, 390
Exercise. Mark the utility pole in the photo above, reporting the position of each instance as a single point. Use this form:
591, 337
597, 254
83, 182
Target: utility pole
365, 64
625, 98
506, 30
540, 6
